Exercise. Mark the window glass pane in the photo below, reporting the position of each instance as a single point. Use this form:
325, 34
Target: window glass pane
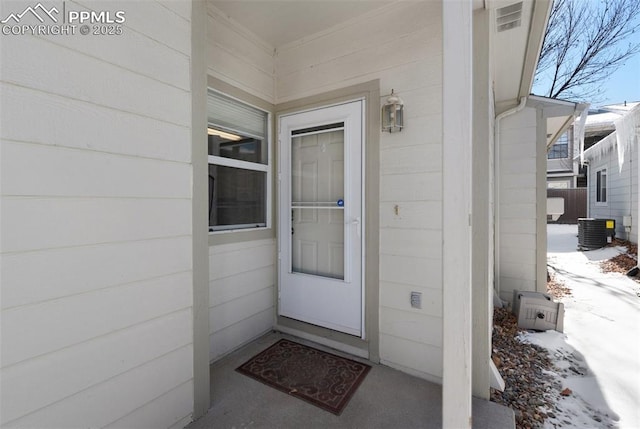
560, 148
317, 220
236, 197
601, 186
558, 151
238, 194
317, 242
238, 147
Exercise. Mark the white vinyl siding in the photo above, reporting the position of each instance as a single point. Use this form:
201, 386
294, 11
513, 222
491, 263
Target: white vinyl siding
241, 303
96, 220
238, 57
622, 192
517, 203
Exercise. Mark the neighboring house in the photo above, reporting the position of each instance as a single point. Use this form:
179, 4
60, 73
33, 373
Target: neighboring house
601, 121
563, 146
563, 163
612, 165
134, 254
562, 169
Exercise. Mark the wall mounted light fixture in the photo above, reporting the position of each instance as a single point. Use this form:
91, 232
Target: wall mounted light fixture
392, 114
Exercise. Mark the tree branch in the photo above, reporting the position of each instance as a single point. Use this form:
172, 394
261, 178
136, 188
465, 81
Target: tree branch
582, 45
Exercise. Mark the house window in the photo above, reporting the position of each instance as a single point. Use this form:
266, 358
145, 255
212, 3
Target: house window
601, 186
560, 148
239, 168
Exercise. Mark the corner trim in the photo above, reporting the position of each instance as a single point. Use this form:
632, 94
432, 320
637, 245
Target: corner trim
199, 218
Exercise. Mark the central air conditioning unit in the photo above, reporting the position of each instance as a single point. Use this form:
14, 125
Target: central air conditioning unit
595, 233
538, 311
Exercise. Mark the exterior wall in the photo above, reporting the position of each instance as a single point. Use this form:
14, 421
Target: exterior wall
238, 57
241, 264
622, 190
96, 223
517, 235
402, 46
241, 301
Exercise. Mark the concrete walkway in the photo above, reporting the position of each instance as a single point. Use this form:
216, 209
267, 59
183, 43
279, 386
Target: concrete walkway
602, 325
386, 399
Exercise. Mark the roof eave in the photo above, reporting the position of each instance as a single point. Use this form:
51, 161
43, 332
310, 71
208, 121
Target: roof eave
537, 29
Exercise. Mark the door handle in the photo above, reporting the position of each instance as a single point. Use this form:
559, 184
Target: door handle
356, 222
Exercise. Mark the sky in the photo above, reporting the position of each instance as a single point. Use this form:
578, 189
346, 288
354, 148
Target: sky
624, 84
621, 86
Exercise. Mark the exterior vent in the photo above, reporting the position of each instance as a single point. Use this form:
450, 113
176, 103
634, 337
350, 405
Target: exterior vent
509, 17
535, 310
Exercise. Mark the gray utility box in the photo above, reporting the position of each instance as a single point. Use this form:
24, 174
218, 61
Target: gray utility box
538, 311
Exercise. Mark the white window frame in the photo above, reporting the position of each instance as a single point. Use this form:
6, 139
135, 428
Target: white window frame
246, 165
599, 187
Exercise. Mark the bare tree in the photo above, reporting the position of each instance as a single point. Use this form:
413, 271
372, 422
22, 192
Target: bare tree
585, 43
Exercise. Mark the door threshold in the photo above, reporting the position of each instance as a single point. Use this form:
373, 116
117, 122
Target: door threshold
342, 342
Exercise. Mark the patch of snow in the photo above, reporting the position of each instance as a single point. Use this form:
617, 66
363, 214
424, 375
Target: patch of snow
598, 356
585, 406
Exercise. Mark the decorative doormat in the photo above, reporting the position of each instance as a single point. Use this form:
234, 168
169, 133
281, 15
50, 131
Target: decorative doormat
322, 379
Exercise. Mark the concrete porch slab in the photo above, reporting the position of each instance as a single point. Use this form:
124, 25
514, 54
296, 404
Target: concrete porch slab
386, 399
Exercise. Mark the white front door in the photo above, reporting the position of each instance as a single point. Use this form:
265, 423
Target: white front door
320, 217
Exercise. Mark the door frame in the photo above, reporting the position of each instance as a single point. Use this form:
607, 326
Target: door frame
368, 347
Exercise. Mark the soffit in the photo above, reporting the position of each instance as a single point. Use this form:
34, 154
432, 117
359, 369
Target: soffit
515, 51
278, 22
559, 114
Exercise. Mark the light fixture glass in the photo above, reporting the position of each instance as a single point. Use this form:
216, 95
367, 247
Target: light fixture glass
223, 134
392, 114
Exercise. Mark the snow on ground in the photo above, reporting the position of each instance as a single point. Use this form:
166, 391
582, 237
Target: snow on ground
598, 355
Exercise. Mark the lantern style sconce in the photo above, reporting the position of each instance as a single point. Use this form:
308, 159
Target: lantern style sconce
392, 114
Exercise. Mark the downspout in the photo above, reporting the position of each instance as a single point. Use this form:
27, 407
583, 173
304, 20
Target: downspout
496, 191
588, 175
628, 231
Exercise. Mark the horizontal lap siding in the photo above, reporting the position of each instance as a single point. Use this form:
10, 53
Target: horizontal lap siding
622, 191
242, 275
96, 222
401, 46
517, 199
242, 294
237, 57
